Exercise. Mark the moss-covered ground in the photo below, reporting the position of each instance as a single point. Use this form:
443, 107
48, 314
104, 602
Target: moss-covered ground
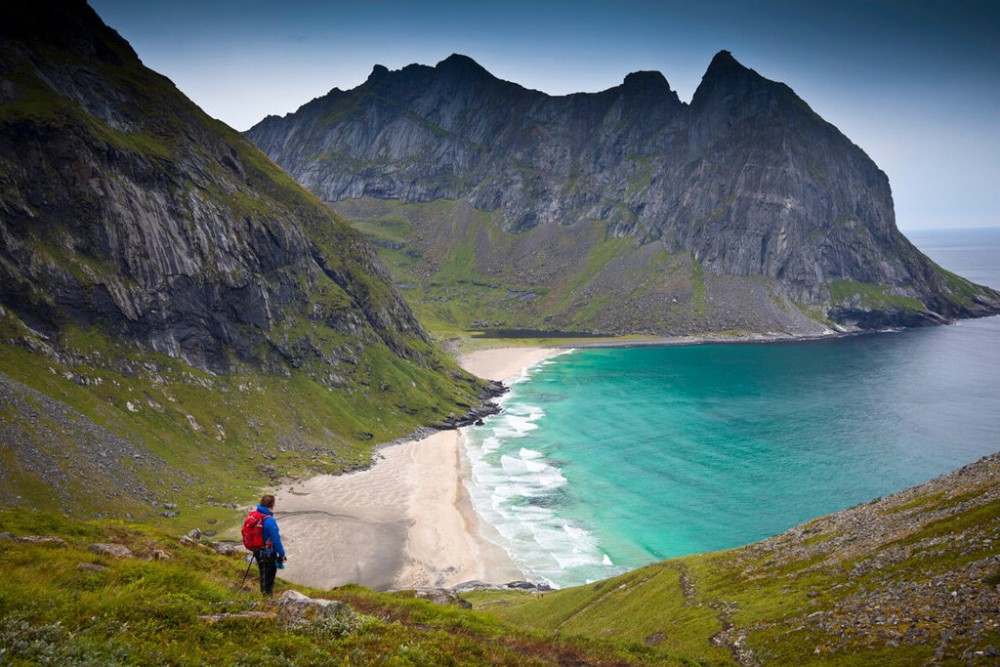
63, 604
147, 431
461, 271
909, 579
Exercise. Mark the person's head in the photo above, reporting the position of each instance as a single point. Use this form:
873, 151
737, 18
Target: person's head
267, 501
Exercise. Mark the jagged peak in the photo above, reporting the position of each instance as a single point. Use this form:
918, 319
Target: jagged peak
724, 73
724, 67
724, 62
455, 65
459, 63
651, 86
646, 80
378, 72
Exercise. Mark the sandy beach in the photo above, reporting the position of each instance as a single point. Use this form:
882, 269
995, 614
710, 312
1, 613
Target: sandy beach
407, 521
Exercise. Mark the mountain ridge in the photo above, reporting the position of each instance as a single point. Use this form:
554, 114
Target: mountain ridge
746, 179
170, 251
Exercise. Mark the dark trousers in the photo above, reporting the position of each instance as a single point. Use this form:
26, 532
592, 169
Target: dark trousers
267, 564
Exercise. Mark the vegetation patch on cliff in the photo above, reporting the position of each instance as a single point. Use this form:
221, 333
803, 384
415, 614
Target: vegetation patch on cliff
103, 428
461, 271
873, 297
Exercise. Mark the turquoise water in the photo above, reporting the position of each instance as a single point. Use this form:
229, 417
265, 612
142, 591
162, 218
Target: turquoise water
608, 459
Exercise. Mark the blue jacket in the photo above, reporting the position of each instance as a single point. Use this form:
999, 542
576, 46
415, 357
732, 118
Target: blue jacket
271, 534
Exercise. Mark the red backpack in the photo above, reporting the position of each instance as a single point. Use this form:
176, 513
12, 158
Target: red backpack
253, 530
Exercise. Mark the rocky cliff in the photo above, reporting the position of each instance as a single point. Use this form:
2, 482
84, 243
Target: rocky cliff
745, 191
172, 288
126, 207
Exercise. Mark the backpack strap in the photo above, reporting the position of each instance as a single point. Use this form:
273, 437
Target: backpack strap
268, 544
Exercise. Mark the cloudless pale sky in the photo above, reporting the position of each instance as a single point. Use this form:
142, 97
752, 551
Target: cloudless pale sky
915, 83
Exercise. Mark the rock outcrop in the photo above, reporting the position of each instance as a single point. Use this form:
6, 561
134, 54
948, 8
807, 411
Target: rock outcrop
128, 210
792, 222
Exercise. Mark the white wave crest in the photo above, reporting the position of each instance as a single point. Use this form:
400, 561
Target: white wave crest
511, 492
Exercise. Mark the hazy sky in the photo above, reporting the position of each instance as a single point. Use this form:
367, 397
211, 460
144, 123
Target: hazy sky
915, 83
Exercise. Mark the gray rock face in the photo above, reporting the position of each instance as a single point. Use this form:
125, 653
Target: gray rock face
747, 179
126, 209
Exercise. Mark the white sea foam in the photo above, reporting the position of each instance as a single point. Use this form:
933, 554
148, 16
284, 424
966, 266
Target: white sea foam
507, 486
517, 466
528, 372
516, 421
490, 444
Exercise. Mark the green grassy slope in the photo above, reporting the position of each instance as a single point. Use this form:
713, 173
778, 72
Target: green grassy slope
461, 271
61, 603
95, 440
909, 579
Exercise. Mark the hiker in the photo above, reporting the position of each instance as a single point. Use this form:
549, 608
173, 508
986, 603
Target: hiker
272, 553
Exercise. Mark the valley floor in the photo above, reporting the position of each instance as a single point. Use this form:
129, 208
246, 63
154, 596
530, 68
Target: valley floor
405, 522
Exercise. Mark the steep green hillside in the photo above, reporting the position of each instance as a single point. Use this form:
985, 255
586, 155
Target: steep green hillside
909, 579
161, 437
179, 320
63, 603
460, 270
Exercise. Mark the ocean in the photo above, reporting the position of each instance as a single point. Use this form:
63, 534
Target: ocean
605, 460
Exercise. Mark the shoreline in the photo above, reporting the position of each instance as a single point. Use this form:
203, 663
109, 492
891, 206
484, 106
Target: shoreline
405, 522
694, 340
408, 522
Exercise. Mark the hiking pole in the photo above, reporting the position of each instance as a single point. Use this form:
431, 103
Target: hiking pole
247, 574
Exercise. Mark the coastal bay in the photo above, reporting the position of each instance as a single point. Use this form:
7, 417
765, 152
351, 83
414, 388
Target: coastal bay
857, 417
612, 459
406, 521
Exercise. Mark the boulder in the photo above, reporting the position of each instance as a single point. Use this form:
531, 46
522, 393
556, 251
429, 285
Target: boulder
527, 586
114, 550
474, 585
441, 596
229, 548
295, 605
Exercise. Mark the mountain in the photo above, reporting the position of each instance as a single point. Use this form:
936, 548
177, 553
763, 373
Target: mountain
623, 211
172, 302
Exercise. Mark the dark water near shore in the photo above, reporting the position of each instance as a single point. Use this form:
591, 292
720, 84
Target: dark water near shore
608, 459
